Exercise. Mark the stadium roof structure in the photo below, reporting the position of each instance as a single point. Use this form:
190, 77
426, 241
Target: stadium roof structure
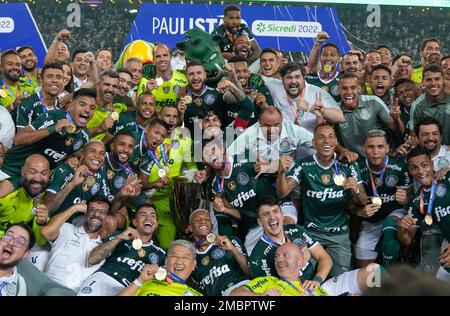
409, 3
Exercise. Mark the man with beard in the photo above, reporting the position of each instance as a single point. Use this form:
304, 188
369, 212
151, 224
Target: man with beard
56, 134
363, 113
386, 54
428, 205
29, 65
327, 186
251, 83
352, 62
125, 85
327, 77
104, 117
134, 122
223, 262
434, 102
103, 59
172, 155
134, 65
373, 58
428, 47
242, 47
300, 102
202, 96
15, 245
44, 100
19, 196
445, 64
72, 244
13, 88
160, 79
233, 28
270, 63
124, 263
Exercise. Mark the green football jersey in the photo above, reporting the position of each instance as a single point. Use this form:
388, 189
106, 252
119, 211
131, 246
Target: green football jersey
30, 109
262, 258
396, 174
116, 175
55, 147
63, 174
242, 190
256, 84
243, 110
217, 269
331, 85
324, 202
227, 39
124, 264
127, 122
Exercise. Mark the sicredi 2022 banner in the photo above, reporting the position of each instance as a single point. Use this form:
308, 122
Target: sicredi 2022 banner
287, 28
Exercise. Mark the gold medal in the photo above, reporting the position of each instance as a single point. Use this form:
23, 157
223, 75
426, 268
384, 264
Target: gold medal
69, 141
188, 99
162, 173
166, 169
377, 200
90, 181
85, 187
428, 219
114, 116
161, 274
110, 174
159, 81
71, 129
137, 244
2, 93
253, 95
141, 253
205, 261
211, 238
339, 180
327, 68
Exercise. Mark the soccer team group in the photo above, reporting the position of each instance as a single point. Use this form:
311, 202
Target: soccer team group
315, 177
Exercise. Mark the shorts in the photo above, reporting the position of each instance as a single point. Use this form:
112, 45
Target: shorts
100, 284
231, 288
346, 282
370, 235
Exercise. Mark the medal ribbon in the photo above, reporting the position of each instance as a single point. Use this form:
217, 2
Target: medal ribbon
231, 37
430, 201
176, 278
44, 107
164, 155
151, 154
69, 117
293, 104
137, 127
11, 90
380, 182
125, 167
336, 169
198, 244
220, 183
2, 286
304, 292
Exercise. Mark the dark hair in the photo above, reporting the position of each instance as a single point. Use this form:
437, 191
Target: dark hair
268, 50
133, 60
146, 204
427, 40
445, 57
51, 66
78, 51
267, 200
427, 121
291, 67
157, 121
102, 49
352, 54
402, 81
193, 63
110, 73
124, 70
372, 51
323, 124
347, 75
99, 198
381, 66
145, 93
28, 229
123, 133
207, 112
9, 52
397, 57
269, 108
329, 44
418, 151
432, 68
231, 8
237, 59
384, 46
85, 92
69, 87
22, 48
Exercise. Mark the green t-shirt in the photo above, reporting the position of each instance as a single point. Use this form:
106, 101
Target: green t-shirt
291, 288
124, 263
55, 147
324, 203
64, 173
226, 44
154, 287
242, 190
396, 174
330, 85
30, 109
127, 122
262, 258
217, 269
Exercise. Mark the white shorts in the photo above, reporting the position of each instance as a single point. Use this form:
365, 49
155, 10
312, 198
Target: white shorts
39, 256
100, 284
231, 288
346, 282
369, 236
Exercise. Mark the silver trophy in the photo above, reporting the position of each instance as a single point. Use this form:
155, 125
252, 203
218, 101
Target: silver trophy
186, 197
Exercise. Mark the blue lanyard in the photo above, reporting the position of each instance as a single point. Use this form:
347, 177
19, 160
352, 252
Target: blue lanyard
431, 200
151, 154
336, 168
2, 286
176, 278
137, 127
219, 185
199, 243
69, 117
124, 167
163, 154
295, 288
380, 182
11, 91
273, 242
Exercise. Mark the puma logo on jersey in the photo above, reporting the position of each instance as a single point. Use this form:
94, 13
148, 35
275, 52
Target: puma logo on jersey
214, 273
329, 193
242, 197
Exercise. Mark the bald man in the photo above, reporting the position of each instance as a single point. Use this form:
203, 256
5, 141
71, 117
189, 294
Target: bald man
289, 260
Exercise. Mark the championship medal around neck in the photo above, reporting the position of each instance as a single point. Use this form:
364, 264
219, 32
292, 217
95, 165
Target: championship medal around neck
2, 93
90, 181
114, 116
428, 219
159, 81
377, 200
162, 173
137, 244
339, 180
71, 128
327, 68
211, 238
161, 274
188, 99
